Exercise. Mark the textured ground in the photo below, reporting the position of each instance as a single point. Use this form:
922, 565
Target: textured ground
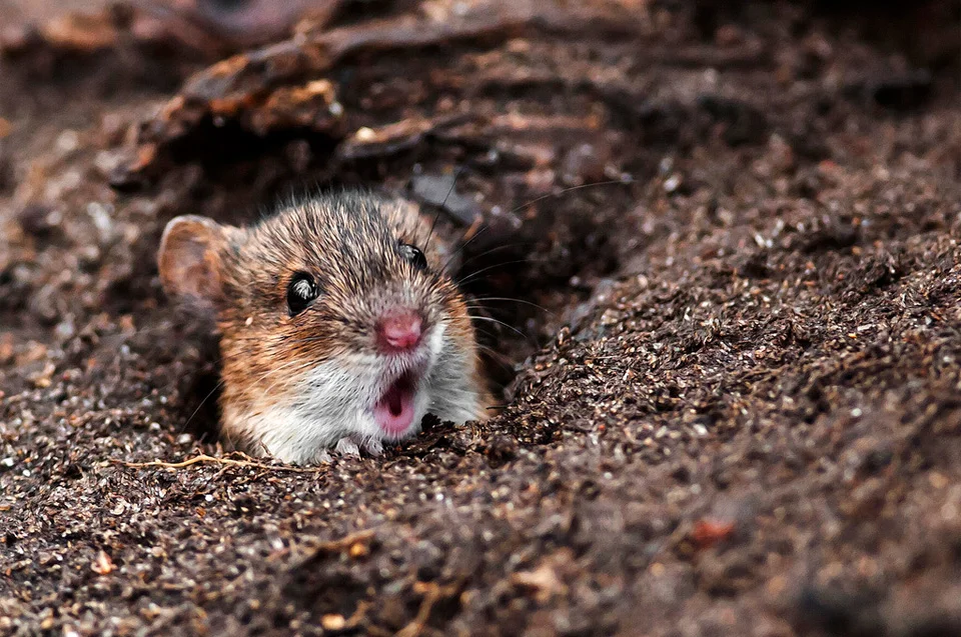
738, 413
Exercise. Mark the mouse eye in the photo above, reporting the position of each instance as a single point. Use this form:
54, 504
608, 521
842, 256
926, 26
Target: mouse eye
300, 292
414, 255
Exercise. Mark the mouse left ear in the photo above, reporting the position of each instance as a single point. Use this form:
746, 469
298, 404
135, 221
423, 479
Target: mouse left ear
190, 258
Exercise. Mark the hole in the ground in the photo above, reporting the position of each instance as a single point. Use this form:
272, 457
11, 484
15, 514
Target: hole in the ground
529, 277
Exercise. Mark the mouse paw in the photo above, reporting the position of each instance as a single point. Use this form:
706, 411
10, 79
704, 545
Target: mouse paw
374, 447
321, 457
347, 447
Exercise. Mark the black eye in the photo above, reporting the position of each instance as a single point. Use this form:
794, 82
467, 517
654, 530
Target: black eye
300, 292
414, 255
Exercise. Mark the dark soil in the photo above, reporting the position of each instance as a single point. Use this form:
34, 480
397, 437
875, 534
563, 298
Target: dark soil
738, 413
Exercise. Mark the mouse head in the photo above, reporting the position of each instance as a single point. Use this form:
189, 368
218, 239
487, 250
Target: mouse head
337, 319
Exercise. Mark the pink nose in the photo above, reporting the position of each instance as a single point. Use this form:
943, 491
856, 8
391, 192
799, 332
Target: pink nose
399, 331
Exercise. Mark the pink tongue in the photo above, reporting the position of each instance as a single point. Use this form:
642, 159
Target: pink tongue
394, 412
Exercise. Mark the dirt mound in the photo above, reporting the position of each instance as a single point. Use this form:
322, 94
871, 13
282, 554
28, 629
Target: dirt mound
733, 406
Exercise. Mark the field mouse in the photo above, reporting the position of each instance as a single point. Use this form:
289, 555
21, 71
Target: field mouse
339, 324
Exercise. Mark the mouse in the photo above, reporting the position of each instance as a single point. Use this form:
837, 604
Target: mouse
340, 324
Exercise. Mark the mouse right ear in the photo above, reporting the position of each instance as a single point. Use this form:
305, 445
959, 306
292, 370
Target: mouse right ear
190, 258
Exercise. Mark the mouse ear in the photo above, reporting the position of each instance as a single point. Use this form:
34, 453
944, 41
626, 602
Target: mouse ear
190, 260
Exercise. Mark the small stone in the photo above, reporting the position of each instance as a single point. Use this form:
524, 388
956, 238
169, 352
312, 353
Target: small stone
333, 622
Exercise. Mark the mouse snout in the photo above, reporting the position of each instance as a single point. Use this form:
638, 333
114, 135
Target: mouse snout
400, 331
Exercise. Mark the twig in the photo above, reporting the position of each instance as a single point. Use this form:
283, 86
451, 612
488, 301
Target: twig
358, 616
432, 593
332, 546
222, 461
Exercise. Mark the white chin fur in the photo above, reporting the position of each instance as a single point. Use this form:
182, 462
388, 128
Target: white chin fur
334, 401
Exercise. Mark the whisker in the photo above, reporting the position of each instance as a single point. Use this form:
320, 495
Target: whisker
474, 275
505, 246
460, 248
485, 332
507, 299
494, 320
221, 384
496, 357
625, 180
203, 402
453, 184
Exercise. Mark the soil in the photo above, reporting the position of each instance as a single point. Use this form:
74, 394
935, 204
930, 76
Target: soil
734, 410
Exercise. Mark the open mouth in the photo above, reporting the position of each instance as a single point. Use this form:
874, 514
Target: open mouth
394, 412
